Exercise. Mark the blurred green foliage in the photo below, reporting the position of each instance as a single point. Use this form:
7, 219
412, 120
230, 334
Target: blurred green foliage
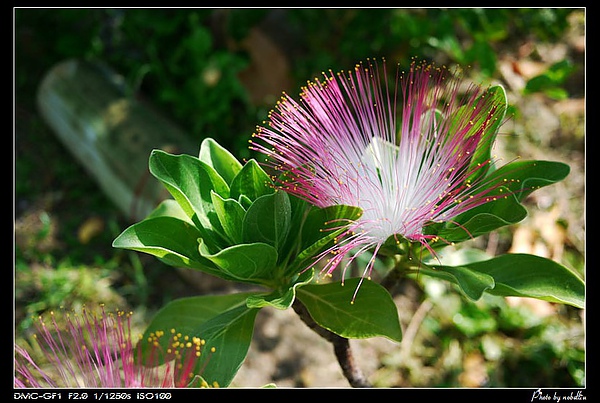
490, 342
551, 81
188, 62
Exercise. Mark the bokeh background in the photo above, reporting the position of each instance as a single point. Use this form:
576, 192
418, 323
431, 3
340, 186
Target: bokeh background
216, 73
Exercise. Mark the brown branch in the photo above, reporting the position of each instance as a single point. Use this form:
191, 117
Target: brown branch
341, 348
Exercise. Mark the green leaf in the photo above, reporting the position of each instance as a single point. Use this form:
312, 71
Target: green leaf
517, 180
321, 227
170, 208
281, 298
191, 182
452, 256
223, 321
291, 247
221, 160
471, 282
520, 275
231, 216
503, 210
327, 221
268, 220
523, 177
254, 263
252, 181
244, 201
489, 116
550, 81
372, 313
533, 276
173, 241
492, 121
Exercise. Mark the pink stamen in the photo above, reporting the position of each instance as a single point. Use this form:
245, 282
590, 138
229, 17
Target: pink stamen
97, 350
342, 144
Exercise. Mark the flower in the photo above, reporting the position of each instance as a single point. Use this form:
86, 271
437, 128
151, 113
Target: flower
96, 350
406, 158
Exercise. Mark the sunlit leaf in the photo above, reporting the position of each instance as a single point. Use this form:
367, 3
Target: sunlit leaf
519, 275
223, 321
251, 181
191, 182
523, 177
333, 306
231, 216
173, 241
254, 262
219, 158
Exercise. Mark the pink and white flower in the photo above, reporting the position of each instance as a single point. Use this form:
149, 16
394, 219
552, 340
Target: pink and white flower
98, 350
404, 155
